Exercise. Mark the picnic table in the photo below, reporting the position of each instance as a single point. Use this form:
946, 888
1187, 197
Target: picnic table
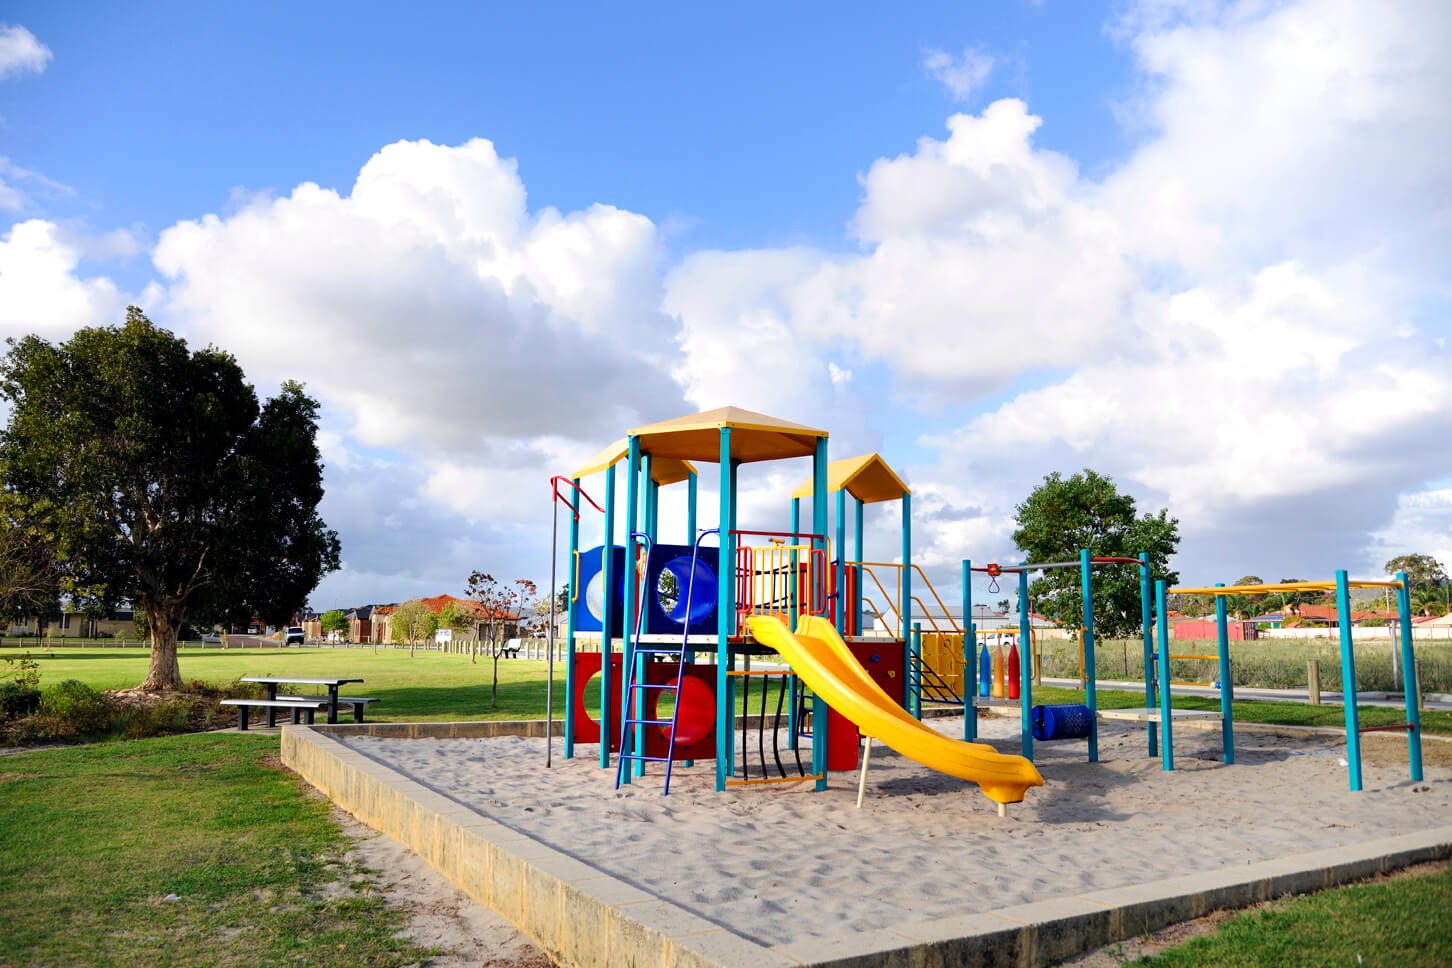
272, 682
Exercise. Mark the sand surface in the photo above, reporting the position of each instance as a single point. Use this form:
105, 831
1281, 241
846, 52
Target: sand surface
781, 862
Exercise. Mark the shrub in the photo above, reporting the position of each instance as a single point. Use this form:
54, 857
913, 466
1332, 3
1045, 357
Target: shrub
17, 700
72, 708
154, 719
22, 669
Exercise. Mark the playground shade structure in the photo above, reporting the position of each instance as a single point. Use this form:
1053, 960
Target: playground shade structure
819, 656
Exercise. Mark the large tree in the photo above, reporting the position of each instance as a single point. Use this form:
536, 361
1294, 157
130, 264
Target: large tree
1063, 515
158, 479
1422, 570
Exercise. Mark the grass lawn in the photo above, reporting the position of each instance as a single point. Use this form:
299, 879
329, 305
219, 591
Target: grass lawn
430, 687
97, 837
1401, 922
1251, 711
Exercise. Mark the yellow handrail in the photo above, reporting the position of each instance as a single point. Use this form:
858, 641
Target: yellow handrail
946, 615
576, 583
869, 603
930, 619
886, 597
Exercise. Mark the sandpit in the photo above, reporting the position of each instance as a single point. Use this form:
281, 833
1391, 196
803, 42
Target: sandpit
781, 863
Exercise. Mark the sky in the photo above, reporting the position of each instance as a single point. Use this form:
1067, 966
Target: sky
1201, 247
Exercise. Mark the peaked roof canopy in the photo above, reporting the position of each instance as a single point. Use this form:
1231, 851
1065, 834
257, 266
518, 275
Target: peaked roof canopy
867, 478
662, 470
754, 436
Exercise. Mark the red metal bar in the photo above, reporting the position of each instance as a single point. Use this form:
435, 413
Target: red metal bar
1383, 729
1116, 561
783, 534
574, 506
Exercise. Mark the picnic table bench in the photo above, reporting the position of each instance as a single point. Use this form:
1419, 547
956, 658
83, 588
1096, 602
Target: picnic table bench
274, 703
357, 702
299, 710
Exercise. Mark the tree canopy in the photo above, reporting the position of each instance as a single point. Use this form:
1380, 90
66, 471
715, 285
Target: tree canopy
333, 620
1423, 570
158, 479
1063, 515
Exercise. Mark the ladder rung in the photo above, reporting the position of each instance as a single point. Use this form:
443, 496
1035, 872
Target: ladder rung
648, 722
637, 756
651, 685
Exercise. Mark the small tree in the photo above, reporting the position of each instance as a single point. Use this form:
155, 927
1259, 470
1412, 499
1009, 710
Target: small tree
456, 617
413, 622
333, 620
1061, 517
29, 579
492, 600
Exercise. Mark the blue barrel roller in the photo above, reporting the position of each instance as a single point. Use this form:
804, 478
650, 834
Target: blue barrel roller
1068, 721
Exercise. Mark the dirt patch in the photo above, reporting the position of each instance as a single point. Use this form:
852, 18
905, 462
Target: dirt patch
17, 776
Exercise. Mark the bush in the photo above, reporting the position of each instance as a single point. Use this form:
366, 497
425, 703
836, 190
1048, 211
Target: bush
72, 708
154, 719
17, 700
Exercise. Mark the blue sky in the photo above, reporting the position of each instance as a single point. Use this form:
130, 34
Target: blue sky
1198, 245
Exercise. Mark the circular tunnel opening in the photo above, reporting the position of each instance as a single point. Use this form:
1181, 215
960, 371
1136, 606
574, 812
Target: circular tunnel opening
678, 578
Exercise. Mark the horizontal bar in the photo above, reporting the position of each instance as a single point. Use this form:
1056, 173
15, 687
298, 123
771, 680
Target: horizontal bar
1194, 657
1383, 729
1285, 586
775, 779
769, 672
783, 534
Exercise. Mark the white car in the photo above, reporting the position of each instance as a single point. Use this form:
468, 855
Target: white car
293, 636
211, 638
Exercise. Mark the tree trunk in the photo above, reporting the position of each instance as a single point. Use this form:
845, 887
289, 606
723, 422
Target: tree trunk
164, 674
495, 649
412, 644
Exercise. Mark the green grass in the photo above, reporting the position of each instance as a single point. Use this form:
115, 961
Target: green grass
96, 837
1400, 922
430, 687
1252, 711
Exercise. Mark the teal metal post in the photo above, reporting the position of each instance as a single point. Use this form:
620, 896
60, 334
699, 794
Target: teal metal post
915, 671
570, 606
725, 720
907, 595
1025, 682
1227, 689
627, 627
857, 578
792, 583
1411, 678
1091, 691
839, 569
691, 510
1348, 680
970, 658
731, 656
1167, 721
1146, 626
607, 618
819, 526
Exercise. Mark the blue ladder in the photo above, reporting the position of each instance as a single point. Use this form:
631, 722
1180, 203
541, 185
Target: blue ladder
637, 690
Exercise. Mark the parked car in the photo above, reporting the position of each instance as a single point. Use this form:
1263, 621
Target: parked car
293, 636
212, 638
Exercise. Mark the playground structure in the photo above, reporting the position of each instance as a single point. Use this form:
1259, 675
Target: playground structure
656, 608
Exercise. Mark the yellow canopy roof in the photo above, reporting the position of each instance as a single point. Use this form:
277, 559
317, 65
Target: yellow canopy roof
662, 470
755, 436
867, 478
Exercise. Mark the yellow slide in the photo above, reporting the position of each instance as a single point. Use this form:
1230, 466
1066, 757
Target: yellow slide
818, 655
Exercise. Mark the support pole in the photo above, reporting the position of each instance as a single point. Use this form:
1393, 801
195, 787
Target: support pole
819, 526
866, 761
691, 510
970, 658
857, 583
725, 714
571, 604
907, 592
627, 626
550, 632
792, 586
1091, 696
1167, 721
607, 618
1026, 689
1411, 684
1348, 680
1146, 622
1227, 690
839, 567
915, 671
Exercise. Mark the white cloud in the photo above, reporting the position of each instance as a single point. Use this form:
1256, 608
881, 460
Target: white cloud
432, 309
20, 52
960, 75
40, 290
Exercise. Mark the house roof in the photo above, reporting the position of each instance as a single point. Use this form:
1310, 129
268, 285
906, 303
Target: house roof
867, 477
754, 437
662, 470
